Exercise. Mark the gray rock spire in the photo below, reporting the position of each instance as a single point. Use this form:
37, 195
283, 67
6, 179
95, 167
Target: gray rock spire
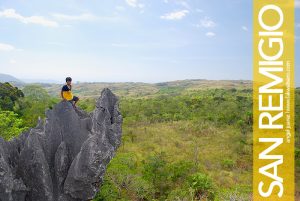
63, 158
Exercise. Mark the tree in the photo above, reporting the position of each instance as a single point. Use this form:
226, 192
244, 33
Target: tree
8, 96
10, 125
35, 93
34, 103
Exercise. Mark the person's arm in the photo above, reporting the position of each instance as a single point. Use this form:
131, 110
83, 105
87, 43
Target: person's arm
62, 95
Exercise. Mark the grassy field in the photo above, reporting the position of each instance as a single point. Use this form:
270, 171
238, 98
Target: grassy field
199, 130
214, 151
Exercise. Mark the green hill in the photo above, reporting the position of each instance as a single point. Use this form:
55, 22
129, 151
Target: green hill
9, 78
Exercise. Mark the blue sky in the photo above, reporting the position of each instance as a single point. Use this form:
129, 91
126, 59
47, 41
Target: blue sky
128, 40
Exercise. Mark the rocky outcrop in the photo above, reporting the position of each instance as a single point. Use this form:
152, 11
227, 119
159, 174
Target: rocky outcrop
64, 157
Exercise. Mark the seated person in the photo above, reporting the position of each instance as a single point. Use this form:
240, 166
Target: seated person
66, 92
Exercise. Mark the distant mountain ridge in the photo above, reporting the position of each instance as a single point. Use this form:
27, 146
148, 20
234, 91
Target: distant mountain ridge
9, 78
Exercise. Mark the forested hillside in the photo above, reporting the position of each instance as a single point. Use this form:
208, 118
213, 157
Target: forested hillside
180, 141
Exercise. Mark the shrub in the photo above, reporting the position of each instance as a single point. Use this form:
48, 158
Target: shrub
10, 125
297, 153
108, 192
228, 163
180, 195
202, 186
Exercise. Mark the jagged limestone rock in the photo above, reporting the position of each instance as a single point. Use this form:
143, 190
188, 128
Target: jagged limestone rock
63, 158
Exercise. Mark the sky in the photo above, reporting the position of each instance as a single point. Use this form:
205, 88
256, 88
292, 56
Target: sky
128, 40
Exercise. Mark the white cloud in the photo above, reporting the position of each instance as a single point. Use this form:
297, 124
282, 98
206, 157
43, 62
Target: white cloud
183, 3
210, 34
176, 15
6, 47
297, 3
179, 2
135, 4
207, 23
56, 43
81, 17
85, 17
245, 28
120, 8
120, 45
199, 10
40, 20
12, 61
132, 3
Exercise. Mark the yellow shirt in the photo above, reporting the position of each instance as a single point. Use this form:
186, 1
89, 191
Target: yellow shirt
67, 93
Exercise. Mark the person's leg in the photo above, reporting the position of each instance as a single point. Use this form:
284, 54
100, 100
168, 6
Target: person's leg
75, 99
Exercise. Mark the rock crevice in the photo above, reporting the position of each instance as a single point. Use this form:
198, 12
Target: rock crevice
64, 158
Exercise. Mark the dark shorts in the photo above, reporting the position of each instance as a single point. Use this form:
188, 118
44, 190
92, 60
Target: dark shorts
75, 98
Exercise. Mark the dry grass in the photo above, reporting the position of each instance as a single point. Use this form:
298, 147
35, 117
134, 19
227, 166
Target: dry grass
207, 148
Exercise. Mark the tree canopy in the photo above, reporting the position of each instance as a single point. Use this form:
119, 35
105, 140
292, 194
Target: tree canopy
8, 96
